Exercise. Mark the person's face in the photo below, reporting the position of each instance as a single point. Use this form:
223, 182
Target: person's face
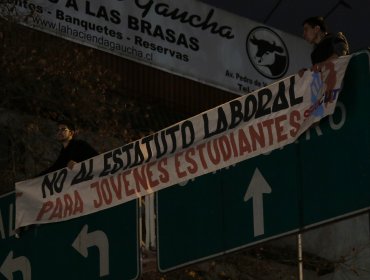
64, 133
310, 34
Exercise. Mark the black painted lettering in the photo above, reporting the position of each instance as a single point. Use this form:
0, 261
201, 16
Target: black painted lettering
264, 98
106, 166
236, 113
293, 99
84, 174
187, 134
280, 101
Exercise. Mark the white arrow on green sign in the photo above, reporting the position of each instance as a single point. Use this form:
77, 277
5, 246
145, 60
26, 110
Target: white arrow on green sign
101, 245
257, 187
13, 264
99, 239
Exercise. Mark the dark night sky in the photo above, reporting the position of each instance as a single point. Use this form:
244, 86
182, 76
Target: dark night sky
350, 16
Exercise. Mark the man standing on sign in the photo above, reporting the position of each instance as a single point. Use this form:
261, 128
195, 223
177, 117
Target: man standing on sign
326, 45
73, 150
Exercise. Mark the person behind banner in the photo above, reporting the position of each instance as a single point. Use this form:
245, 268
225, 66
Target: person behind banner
72, 151
326, 45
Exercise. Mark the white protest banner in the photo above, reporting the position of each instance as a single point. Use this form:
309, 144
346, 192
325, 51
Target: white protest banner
187, 38
250, 125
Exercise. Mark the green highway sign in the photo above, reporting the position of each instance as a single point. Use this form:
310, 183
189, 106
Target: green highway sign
335, 165
223, 211
321, 178
103, 245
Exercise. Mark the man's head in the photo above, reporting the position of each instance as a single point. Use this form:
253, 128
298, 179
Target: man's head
314, 28
65, 132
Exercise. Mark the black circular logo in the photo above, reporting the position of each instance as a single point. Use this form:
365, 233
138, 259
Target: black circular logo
267, 52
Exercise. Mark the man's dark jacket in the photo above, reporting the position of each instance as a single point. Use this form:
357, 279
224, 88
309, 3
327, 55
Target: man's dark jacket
76, 150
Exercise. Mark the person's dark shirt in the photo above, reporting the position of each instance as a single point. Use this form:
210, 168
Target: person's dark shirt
329, 45
76, 150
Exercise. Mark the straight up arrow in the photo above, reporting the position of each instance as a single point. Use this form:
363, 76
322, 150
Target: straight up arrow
257, 187
11, 265
97, 238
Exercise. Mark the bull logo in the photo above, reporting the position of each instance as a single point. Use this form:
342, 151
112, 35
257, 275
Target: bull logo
267, 52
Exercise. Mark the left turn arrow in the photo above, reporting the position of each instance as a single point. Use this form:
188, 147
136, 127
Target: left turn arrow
98, 238
11, 265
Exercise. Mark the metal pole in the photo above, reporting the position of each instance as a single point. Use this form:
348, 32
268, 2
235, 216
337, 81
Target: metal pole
152, 218
300, 256
150, 237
